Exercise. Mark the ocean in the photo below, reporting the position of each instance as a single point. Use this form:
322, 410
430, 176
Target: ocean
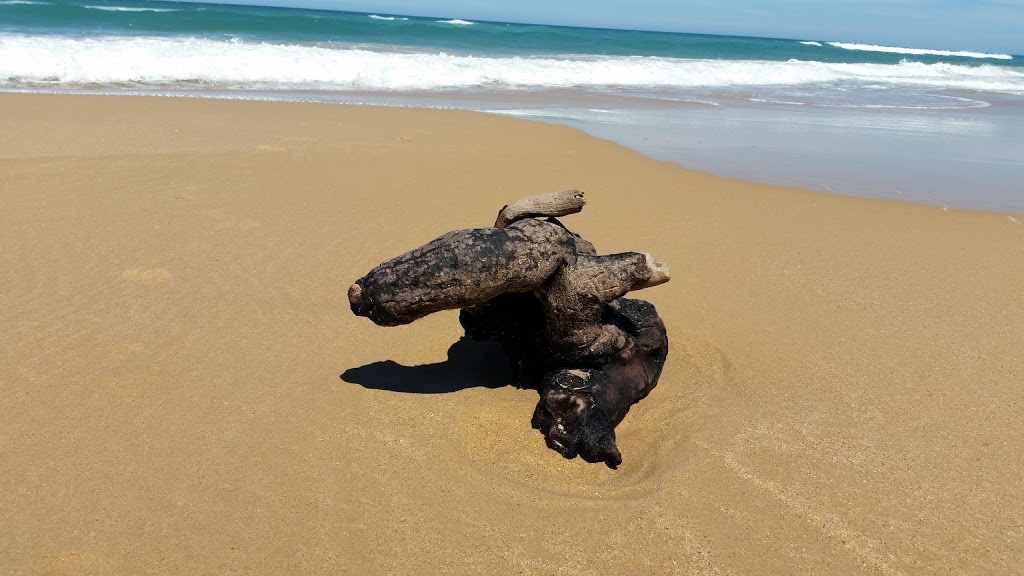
943, 127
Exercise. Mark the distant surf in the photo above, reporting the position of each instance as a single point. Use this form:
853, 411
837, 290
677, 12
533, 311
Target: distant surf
128, 9
918, 51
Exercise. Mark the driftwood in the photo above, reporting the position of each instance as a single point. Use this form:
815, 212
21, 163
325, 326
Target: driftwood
552, 205
555, 306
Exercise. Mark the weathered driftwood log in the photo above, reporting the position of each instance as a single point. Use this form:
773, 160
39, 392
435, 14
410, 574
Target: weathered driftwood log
460, 269
556, 307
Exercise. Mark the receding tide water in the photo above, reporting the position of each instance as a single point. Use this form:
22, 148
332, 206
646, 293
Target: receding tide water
937, 126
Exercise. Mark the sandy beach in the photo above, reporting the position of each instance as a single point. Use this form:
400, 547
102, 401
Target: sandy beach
844, 392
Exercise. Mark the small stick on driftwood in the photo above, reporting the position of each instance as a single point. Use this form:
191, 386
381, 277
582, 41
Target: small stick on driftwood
554, 204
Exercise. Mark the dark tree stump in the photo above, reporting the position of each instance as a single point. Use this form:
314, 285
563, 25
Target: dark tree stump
579, 409
555, 306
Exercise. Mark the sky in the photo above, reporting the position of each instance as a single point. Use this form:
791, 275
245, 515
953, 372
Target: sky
985, 25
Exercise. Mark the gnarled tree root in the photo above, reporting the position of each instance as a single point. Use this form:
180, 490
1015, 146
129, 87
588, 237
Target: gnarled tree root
555, 306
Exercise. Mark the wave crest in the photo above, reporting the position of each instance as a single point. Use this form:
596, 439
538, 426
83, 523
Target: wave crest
917, 51
169, 61
130, 9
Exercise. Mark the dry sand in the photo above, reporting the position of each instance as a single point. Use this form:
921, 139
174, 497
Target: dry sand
843, 393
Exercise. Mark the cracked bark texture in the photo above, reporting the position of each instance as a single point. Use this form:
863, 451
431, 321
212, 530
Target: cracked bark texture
555, 306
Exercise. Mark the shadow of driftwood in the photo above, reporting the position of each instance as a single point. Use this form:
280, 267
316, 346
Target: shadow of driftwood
470, 364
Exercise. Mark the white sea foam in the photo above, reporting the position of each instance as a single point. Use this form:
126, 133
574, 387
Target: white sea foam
13, 2
130, 9
917, 51
960, 104
388, 18
170, 61
456, 22
811, 43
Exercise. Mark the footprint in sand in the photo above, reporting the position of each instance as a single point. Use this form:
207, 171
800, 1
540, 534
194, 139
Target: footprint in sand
146, 276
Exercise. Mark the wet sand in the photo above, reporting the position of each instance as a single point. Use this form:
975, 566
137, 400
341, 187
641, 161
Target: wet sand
843, 393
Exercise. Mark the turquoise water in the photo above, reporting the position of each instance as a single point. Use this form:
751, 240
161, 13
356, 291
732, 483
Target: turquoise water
298, 26
657, 92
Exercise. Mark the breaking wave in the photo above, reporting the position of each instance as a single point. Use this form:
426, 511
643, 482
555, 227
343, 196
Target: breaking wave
129, 9
188, 62
916, 51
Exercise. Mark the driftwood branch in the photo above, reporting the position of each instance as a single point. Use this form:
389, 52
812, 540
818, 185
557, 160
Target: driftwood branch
575, 298
548, 205
461, 269
556, 307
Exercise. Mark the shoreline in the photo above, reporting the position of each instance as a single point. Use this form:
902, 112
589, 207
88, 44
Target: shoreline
929, 156
842, 392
